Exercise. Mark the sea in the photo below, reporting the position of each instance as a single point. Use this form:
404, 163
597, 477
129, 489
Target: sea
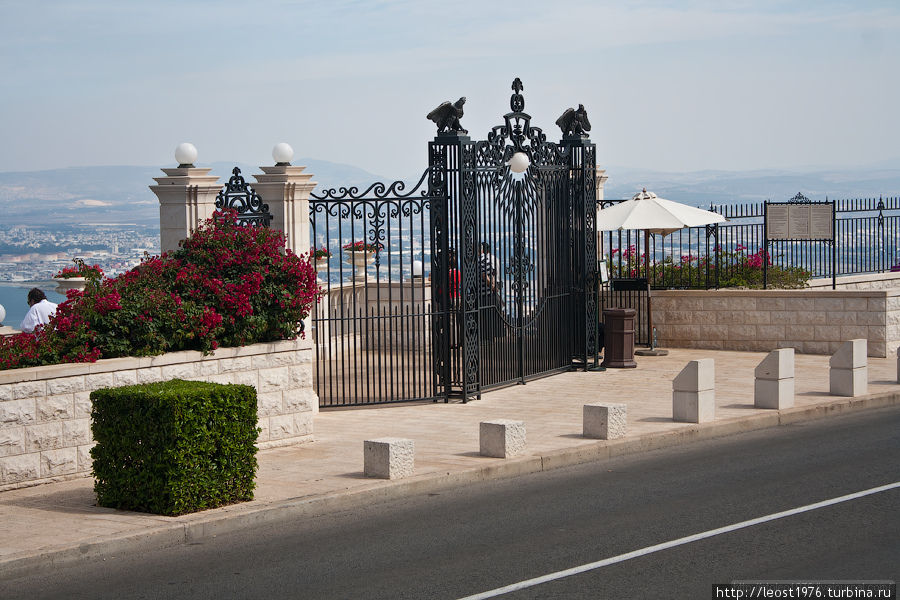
14, 298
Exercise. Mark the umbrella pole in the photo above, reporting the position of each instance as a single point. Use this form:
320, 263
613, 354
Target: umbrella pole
652, 351
647, 273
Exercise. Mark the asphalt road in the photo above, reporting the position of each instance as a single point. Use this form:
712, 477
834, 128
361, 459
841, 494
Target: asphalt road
489, 535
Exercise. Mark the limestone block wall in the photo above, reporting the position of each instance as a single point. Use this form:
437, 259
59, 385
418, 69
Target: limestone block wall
45, 425
810, 321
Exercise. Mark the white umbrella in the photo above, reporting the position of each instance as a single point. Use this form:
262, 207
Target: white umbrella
654, 215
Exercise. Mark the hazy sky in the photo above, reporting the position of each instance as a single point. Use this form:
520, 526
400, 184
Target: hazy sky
667, 85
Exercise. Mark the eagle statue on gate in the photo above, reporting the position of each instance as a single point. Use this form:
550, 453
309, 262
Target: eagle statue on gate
447, 116
574, 121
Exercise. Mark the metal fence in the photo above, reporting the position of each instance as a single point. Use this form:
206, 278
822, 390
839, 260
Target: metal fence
372, 326
867, 240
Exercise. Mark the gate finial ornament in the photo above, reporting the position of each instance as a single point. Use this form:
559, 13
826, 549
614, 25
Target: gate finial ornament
447, 116
574, 122
517, 101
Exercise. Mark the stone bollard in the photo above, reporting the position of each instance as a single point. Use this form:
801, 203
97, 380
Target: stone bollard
693, 392
848, 375
389, 458
502, 438
898, 365
774, 385
604, 421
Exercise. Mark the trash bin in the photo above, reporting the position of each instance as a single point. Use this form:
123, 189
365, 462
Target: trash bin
618, 334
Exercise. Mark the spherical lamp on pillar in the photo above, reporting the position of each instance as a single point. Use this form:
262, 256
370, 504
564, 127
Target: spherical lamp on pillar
185, 154
282, 153
187, 197
2, 314
519, 162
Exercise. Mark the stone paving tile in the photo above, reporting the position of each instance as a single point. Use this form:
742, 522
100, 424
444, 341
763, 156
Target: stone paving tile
446, 437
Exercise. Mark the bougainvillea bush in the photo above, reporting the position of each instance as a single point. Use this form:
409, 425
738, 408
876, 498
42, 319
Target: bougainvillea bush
227, 285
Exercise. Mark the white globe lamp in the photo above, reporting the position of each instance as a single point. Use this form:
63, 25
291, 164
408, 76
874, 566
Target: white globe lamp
282, 153
519, 162
2, 314
185, 154
417, 268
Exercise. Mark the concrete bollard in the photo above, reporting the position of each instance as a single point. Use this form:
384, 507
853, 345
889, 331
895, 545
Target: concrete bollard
693, 392
774, 384
389, 458
898, 365
848, 375
604, 421
502, 438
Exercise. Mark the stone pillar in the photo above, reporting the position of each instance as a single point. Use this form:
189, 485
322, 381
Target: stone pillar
774, 384
187, 197
599, 181
693, 392
848, 375
286, 190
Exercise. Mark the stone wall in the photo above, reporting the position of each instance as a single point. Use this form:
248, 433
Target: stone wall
812, 321
45, 425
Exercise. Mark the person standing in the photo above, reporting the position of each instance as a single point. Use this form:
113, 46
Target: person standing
489, 303
40, 312
456, 316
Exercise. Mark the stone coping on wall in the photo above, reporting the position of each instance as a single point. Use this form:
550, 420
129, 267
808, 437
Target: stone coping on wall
864, 281
109, 365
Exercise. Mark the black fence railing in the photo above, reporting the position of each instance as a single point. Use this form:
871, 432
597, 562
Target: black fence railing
867, 240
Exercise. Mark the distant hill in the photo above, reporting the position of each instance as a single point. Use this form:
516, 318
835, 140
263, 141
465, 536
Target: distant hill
700, 188
120, 194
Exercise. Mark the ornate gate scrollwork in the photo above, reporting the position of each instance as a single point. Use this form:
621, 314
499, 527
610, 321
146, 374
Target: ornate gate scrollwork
239, 196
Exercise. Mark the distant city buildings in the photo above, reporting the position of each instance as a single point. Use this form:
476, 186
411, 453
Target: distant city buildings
31, 253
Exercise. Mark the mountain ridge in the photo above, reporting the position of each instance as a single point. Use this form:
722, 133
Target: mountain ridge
121, 194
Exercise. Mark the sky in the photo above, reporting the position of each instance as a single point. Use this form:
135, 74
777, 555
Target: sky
671, 86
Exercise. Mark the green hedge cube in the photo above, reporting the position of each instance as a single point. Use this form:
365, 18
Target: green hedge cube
174, 447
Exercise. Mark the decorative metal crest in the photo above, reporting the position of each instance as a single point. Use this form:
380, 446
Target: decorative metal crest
574, 122
446, 116
239, 196
799, 199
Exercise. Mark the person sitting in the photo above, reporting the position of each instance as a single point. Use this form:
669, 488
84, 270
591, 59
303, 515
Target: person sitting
40, 312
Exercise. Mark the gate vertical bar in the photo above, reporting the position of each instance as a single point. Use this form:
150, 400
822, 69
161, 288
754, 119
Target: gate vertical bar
469, 280
582, 168
440, 246
454, 230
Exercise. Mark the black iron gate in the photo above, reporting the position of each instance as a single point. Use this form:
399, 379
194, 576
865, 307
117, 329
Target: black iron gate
513, 248
482, 274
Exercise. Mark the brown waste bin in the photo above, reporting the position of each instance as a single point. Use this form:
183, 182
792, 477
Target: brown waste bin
618, 334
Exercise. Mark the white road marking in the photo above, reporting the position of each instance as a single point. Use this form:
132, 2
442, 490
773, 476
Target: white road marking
680, 541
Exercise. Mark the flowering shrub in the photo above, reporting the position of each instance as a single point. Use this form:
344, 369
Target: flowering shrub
318, 253
361, 246
226, 286
737, 268
79, 270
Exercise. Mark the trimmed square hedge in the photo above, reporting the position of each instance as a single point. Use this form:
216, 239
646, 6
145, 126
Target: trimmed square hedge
174, 447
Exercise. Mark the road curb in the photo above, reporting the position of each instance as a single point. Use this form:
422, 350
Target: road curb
198, 527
